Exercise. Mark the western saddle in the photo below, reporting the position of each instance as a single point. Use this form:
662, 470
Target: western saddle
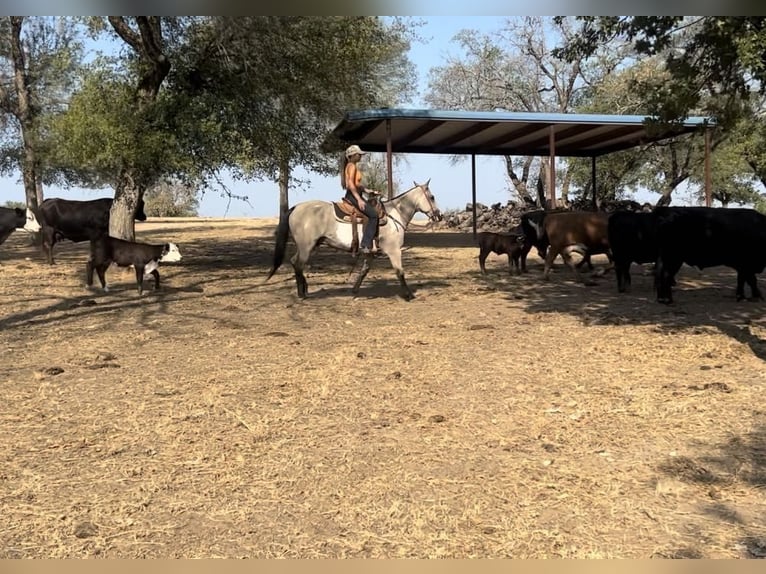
346, 212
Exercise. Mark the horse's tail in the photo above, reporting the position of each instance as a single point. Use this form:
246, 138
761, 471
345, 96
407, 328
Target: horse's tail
283, 232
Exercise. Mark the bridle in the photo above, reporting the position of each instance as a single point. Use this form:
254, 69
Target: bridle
433, 214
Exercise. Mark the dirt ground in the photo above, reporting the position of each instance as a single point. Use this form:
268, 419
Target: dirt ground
498, 416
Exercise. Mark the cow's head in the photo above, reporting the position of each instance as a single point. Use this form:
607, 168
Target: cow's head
139, 214
31, 225
170, 253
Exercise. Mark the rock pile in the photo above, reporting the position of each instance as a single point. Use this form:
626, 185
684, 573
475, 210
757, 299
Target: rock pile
501, 218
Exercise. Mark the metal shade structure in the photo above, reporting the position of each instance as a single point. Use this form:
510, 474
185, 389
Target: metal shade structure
505, 133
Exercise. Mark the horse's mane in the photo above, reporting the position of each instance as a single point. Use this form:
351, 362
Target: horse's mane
401, 194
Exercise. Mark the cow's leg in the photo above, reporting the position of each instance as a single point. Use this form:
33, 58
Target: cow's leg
622, 270
754, 291
515, 260
156, 275
585, 261
140, 279
665, 272
48, 240
89, 273
482, 258
524, 252
752, 282
741, 275
566, 255
6, 234
549, 257
101, 271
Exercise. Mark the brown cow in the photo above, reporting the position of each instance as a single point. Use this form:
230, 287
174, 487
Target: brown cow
584, 232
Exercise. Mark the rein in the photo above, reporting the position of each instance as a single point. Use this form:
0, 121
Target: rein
430, 203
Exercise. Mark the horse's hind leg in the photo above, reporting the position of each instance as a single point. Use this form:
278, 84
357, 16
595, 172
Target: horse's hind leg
300, 279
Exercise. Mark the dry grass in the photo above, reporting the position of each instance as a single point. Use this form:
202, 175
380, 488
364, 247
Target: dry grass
495, 416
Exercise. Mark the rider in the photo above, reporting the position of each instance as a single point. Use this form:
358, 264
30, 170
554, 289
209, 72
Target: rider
357, 195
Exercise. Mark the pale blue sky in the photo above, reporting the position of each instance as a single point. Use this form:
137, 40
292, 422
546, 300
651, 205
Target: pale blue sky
450, 183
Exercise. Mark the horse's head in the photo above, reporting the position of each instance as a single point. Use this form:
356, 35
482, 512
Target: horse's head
427, 202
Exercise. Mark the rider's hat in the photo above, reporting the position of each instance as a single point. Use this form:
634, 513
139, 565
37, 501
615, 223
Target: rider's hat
353, 150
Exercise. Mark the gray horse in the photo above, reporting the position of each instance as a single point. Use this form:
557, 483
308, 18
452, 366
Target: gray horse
313, 222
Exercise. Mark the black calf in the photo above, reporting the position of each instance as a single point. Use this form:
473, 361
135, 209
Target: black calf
145, 257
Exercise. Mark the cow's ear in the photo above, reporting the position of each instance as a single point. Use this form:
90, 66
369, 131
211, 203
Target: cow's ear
19, 212
165, 248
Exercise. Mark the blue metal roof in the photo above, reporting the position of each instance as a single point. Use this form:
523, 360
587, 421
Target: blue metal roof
503, 133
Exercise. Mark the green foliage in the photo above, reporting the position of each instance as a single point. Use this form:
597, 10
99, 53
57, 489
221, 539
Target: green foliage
171, 199
53, 53
243, 94
15, 204
759, 203
732, 178
270, 88
376, 174
105, 130
713, 62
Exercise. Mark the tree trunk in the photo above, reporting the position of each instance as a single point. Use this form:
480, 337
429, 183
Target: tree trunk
520, 185
284, 182
121, 222
148, 45
565, 188
28, 176
542, 201
39, 194
665, 199
24, 112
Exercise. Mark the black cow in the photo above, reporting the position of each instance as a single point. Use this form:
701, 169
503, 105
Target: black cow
708, 237
77, 220
632, 238
12, 219
144, 257
511, 244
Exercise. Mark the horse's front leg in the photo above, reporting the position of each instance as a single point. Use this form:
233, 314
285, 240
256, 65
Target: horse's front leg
362, 274
396, 262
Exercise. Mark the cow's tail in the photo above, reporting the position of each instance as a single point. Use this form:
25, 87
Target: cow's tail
282, 235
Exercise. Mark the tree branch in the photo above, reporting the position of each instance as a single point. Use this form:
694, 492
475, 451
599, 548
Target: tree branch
125, 32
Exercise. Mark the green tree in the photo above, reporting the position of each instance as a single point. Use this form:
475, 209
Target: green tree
276, 85
15, 204
732, 167
171, 198
713, 63
38, 60
376, 174
116, 129
255, 96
